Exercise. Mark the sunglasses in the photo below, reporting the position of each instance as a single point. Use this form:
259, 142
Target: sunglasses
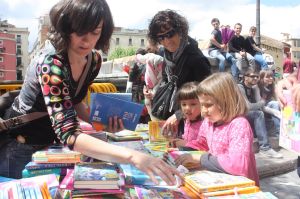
168, 35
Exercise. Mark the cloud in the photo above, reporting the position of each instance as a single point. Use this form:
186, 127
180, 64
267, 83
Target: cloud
137, 14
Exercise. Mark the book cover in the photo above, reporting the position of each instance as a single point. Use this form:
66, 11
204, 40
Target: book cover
258, 195
208, 181
174, 154
134, 176
135, 145
56, 155
151, 193
96, 175
122, 96
35, 166
31, 173
103, 107
125, 135
290, 126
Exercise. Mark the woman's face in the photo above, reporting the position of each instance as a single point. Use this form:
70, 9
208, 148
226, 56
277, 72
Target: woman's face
268, 80
82, 45
170, 39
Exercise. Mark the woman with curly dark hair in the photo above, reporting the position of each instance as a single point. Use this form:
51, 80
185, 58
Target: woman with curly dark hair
182, 56
79, 29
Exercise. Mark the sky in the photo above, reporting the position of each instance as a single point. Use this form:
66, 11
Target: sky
276, 16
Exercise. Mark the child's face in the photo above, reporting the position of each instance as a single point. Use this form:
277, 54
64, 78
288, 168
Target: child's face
190, 108
210, 109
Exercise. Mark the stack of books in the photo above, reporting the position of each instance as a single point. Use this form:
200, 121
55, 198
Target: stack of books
203, 183
141, 192
96, 175
56, 154
257, 195
92, 179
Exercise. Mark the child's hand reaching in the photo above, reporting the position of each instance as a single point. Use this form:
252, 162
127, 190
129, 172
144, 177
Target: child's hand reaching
190, 161
175, 143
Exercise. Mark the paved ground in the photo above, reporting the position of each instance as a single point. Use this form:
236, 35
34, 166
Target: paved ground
284, 186
279, 176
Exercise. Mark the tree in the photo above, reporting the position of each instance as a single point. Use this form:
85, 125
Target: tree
122, 52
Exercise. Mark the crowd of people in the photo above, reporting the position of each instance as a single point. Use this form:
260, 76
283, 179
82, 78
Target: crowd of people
215, 113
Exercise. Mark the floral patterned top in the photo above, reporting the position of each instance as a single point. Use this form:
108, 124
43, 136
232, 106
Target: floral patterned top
49, 86
231, 144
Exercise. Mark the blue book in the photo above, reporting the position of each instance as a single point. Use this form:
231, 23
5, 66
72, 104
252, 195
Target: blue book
134, 176
103, 107
122, 96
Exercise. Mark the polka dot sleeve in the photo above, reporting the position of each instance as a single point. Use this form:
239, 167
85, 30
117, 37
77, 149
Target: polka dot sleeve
55, 87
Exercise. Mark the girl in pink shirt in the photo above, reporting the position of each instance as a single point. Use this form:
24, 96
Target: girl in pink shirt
190, 106
228, 133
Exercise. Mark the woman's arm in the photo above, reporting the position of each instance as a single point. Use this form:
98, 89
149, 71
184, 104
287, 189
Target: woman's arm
81, 110
101, 150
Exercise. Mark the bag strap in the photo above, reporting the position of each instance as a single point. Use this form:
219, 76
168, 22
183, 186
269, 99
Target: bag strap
22, 119
85, 72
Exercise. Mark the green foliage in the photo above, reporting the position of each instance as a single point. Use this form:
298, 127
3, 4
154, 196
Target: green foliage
122, 52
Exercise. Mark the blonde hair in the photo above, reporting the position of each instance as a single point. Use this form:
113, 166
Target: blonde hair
222, 87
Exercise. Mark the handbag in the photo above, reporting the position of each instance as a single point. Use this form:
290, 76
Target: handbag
164, 97
7, 99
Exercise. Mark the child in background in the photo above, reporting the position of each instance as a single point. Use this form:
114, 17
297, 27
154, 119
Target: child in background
266, 86
228, 133
190, 106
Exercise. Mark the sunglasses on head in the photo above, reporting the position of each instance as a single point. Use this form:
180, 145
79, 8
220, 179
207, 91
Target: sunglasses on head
168, 35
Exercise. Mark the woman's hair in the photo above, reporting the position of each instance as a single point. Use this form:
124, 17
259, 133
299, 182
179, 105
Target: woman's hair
80, 17
222, 87
266, 73
187, 91
165, 20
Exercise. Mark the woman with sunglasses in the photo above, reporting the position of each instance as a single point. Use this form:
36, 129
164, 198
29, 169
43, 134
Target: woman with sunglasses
181, 54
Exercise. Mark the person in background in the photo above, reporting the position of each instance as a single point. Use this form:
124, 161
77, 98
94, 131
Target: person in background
219, 50
237, 46
287, 65
291, 83
77, 28
254, 49
181, 54
228, 133
271, 109
250, 91
190, 107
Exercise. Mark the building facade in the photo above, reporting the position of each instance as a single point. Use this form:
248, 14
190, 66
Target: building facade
7, 57
21, 38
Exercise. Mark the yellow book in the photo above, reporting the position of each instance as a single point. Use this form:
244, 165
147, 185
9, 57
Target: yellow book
207, 181
155, 131
240, 190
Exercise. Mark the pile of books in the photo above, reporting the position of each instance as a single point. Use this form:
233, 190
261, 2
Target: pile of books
203, 184
92, 179
56, 154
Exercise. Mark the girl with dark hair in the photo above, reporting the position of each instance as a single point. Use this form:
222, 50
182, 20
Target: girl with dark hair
79, 29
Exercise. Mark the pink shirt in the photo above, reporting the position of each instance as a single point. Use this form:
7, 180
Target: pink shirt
231, 143
191, 131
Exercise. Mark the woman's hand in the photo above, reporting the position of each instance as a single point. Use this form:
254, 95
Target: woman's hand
170, 127
148, 93
190, 161
115, 124
154, 166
